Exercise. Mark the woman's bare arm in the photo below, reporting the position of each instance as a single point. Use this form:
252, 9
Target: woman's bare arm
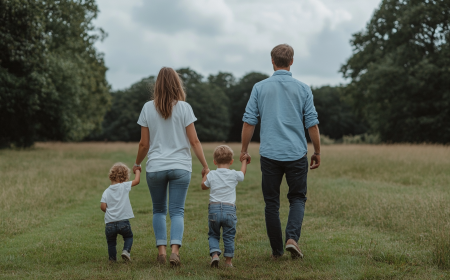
144, 146
197, 147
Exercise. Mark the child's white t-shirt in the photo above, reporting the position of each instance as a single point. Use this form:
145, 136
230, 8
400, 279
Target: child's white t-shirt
117, 201
222, 183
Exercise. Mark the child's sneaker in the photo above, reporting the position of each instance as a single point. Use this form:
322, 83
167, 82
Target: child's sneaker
215, 261
126, 255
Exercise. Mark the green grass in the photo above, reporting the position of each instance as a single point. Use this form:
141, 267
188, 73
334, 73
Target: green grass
373, 212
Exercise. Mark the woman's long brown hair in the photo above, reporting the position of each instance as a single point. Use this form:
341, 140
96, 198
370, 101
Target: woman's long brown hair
168, 91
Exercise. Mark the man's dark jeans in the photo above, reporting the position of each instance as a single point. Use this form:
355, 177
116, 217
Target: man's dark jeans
272, 173
112, 230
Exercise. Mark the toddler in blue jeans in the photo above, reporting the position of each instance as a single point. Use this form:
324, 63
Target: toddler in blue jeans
222, 203
115, 203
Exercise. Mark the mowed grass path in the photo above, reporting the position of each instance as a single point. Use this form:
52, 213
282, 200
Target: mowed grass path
373, 212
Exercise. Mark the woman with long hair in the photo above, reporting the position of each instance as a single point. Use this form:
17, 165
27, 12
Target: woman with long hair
167, 134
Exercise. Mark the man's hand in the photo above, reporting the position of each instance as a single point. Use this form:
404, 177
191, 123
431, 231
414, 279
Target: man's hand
247, 133
314, 134
315, 158
245, 156
136, 168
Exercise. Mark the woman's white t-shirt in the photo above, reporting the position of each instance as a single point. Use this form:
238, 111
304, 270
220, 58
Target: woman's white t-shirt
169, 144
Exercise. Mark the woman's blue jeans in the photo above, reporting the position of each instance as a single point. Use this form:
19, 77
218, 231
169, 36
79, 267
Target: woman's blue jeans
176, 182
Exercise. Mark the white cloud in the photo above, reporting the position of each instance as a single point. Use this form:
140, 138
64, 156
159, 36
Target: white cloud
234, 36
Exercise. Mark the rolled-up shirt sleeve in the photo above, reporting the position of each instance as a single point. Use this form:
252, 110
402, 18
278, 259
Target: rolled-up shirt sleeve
309, 111
251, 111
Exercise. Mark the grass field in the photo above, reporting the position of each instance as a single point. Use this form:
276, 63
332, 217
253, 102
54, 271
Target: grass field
373, 212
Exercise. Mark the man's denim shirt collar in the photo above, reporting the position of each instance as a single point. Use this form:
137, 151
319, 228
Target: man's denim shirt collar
282, 72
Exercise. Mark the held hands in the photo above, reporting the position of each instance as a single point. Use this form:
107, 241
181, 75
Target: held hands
315, 161
205, 171
245, 156
136, 168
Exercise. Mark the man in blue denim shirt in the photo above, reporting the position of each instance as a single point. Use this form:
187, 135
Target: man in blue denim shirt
282, 103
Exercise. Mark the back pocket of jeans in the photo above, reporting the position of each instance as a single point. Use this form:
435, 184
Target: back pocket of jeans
179, 173
109, 229
212, 218
124, 226
231, 220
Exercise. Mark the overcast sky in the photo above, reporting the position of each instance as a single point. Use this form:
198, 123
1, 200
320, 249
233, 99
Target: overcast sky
228, 35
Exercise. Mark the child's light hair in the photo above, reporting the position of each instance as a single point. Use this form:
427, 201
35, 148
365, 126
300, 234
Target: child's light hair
119, 172
223, 154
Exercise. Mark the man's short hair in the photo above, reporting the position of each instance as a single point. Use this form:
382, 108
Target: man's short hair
223, 154
282, 55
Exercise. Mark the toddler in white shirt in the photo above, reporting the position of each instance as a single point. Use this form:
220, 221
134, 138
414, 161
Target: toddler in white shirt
222, 203
115, 203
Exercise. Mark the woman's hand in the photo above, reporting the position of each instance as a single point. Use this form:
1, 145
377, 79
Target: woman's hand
205, 171
136, 168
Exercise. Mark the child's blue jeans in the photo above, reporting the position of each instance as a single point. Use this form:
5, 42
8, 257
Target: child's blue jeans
112, 230
222, 216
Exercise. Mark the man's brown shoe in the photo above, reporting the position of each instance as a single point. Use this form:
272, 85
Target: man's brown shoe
275, 257
293, 248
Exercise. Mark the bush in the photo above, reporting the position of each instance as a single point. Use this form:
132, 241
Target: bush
361, 139
325, 140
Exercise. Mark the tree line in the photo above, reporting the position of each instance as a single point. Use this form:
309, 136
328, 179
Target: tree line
52, 79
53, 85
219, 103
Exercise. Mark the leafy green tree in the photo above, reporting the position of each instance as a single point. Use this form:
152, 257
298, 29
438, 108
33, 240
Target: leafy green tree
210, 105
52, 79
335, 114
120, 122
209, 102
400, 71
239, 93
223, 80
